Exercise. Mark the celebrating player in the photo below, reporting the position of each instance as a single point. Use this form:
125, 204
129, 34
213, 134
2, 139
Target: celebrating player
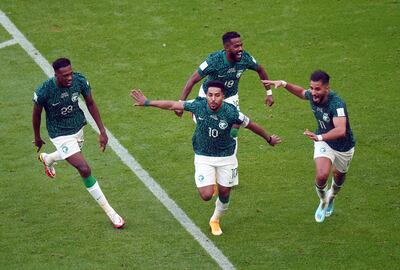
333, 141
227, 66
215, 160
65, 121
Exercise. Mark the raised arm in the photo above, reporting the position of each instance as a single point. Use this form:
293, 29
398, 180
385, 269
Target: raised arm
292, 88
141, 100
271, 139
269, 99
94, 112
195, 78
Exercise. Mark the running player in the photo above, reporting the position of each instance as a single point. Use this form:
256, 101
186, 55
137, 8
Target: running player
227, 66
333, 140
64, 122
215, 160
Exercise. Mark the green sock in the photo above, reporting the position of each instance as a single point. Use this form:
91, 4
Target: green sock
89, 181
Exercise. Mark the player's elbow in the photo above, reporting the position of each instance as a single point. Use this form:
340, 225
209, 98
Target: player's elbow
341, 133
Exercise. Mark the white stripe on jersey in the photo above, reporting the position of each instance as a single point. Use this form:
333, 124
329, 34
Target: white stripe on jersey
254, 60
203, 65
245, 119
340, 112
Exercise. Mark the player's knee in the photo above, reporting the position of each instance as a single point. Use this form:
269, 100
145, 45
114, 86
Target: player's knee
321, 178
84, 170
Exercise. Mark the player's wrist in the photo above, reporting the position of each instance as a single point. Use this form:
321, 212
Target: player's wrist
269, 139
147, 102
269, 92
319, 138
283, 83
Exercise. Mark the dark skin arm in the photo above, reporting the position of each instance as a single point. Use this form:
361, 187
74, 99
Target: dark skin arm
195, 78
270, 139
94, 112
36, 120
269, 100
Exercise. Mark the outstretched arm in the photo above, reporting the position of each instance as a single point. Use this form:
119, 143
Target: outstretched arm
141, 100
269, 99
271, 139
94, 112
195, 78
292, 88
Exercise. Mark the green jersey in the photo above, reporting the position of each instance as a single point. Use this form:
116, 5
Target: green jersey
324, 114
217, 67
212, 135
63, 115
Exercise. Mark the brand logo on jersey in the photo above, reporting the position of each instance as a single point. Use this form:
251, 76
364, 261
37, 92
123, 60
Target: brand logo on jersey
201, 178
213, 116
74, 97
223, 124
221, 76
64, 95
55, 104
325, 117
239, 73
231, 70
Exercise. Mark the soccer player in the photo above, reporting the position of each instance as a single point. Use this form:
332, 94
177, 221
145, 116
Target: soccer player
215, 160
227, 66
333, 140
65, 121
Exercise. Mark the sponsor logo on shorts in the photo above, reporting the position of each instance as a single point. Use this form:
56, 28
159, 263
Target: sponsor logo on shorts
64, 149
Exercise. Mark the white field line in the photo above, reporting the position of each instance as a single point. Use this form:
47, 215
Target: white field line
8, 43
126, 157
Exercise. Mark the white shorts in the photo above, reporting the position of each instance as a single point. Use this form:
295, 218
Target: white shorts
69, 144
212, 170
234, 100
341, 160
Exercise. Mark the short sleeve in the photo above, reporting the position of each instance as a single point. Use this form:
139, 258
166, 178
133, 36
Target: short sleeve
191, 105
39, 96
307, 94
338, 110
243, 120
251, 62
206, 67
83, 84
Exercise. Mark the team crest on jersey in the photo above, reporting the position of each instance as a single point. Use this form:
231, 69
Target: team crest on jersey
325, 117
223, 124
239, 73
74, 97
64, 95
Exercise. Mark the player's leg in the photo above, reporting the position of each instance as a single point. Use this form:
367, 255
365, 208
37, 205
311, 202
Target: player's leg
323, 158
340, 167
77, 160
205, 180
227, 177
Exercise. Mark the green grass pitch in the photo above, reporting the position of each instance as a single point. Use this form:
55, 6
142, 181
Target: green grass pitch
118, 45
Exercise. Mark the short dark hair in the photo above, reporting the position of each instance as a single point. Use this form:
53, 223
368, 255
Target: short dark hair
215, 83
320, 75
228, 36
60, 63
